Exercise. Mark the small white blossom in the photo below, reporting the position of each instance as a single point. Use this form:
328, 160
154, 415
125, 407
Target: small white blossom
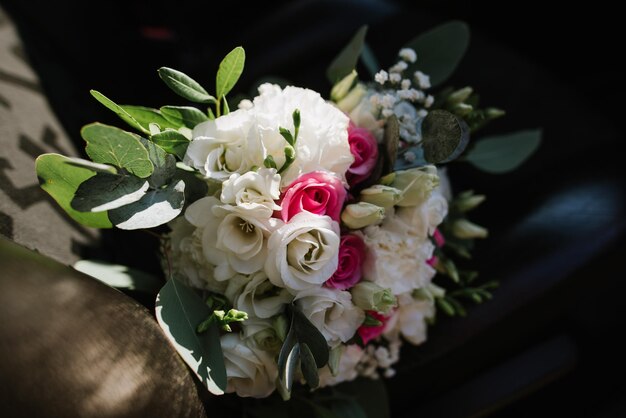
423, 81
405, 84
429, 101
388, 100
381, 77
245, 104
409, 156
395, 77
399, 67
408, 54
387, 112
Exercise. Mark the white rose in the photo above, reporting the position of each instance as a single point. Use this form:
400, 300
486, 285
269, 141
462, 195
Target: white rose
250, 371
186, 258
410, 318
257, 296
223, 146
351, 356
254, 192
332, 312
322, 142
260, 333
303, 253
234, 242
396, 256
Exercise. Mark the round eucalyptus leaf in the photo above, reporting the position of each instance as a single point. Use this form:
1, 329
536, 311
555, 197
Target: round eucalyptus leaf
444, 136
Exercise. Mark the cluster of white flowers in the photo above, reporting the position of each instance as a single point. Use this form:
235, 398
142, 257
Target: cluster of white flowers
279, 234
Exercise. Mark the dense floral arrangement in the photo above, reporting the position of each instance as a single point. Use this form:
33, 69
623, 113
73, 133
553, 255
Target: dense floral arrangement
302, 236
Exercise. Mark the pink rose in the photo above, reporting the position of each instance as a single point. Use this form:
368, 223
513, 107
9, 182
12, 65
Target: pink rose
351, 256
369, 333
317, 192
364, 148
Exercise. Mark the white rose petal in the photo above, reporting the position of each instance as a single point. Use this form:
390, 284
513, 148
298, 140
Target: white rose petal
223, 146
332, 312
410, 318
323, 136
251, 372
253, 192
303, 253
257, 296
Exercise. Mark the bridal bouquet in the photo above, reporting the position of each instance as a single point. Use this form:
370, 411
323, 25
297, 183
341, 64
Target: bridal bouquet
304, 238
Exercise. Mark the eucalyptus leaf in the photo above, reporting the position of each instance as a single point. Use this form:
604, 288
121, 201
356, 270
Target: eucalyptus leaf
178, 311
291, 365
118, 110
164, 164
118, 276
308, 366
183, 115
60, 177
346, 60
111, 145
195, 187
503, 153
147, 115
229, 71
172, 142
369, 60
444, 136
283, 356
440, 50
308, 334
185, 86
104, 192
155, 208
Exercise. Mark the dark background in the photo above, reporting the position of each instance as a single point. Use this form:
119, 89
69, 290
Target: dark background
550, 341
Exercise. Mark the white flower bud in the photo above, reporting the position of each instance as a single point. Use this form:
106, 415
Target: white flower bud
343, 87
462, 228
362, 214
371, 297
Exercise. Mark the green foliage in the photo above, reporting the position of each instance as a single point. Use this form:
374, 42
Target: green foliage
185, 86
179, 310
444, 136
118, 110
440, 50
503, 153
172, 142
229, 71
180, 116
347, 59
109, 145
104, 192
147, 115
60, 177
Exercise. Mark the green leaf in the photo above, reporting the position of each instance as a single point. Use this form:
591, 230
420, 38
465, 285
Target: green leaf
118, 276
155, 208
147, 115
504, 153
285, 373
369, 60
444, 136
172, 142
185, 86
90, 165
195, 187
111, 145
104, 192
119, 111
60, 177
440, 50
308, 366
308, 334
229, 71
178, 310
164, 164
183, 116
370, 394
347, 59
